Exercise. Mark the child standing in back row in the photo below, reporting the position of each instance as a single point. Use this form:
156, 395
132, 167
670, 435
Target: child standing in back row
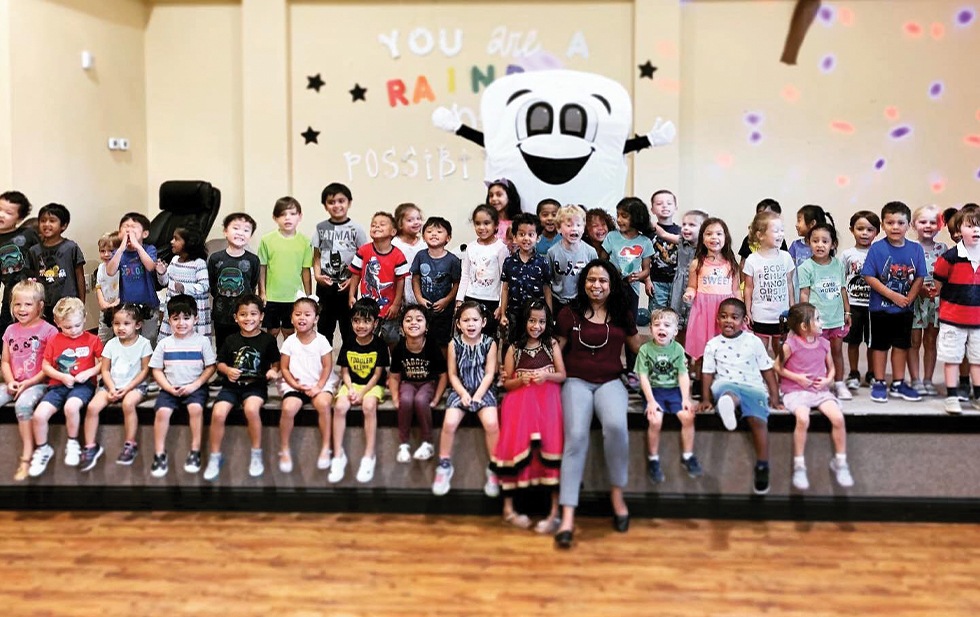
713, 278
408, 224
865, 225
57, 261
768, 276
285, 258
568, 256
187, 274
15, 242
665, 235
925, 324
378, 272
106, 287
232, 272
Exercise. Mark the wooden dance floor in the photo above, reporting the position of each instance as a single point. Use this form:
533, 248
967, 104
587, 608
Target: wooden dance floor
171, 564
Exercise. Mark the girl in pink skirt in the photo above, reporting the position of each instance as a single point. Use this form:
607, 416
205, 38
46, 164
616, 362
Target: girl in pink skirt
714, 276
531, 439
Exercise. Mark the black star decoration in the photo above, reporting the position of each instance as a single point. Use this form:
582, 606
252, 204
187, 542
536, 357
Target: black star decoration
314, 82
310, 136
646, 70
357, 93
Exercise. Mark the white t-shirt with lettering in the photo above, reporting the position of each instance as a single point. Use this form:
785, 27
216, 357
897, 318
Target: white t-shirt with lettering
770, 293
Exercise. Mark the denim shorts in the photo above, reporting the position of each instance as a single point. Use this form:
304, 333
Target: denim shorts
660, 298
753, 402
59, 395
165, 400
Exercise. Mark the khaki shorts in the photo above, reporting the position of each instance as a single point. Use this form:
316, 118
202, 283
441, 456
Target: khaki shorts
955, 342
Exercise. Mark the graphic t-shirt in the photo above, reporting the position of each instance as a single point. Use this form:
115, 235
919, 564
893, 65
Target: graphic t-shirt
135, 283
437, 275
770, 291
125, 362
54, 267
663, 266
252, 355
896, 267
27, 347
858, 290
361, 360
379, 273
739, 360
931, 256
826, 283
230, 278
409, 251
661, 364
425, 365
285, 259
14, 264
566, 265
73, 355
482, 264
337, 243
627, 254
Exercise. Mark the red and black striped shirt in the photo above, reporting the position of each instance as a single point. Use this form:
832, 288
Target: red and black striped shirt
959, 297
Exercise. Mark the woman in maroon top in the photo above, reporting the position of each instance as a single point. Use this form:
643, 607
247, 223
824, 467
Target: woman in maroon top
592, 332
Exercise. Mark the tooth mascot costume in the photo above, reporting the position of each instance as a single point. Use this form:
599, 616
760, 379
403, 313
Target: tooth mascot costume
558, 134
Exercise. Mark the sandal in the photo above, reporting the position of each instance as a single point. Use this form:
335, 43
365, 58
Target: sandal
21, 474
518, 520
548, 526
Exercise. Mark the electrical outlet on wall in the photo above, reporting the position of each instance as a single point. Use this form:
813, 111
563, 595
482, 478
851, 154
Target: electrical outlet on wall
114, 143
123, 143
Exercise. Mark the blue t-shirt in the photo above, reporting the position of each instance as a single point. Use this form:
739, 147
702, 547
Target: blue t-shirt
525, 280
135, 283
546, 243
437, 275
897, 267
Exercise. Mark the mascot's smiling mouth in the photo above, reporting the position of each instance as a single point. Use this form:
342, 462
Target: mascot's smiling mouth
555, 171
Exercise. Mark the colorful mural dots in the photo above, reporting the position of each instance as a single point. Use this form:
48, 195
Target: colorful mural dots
900, 132
938, 186
880, 164
755, 137
843, 181
912, 29
936, 90
828, 63
724, 160
891, 112
846, 16
790, 94
842, 127
978, 174
937, 30
965, 17
826, 15
972, 140
753, 119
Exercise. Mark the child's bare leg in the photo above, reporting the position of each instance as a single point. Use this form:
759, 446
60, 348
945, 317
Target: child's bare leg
252, 406
219, 414
491, 430
39, 422
799, 433
73, 412
26, 431
161, 424
878, 360
760, 437
837, 353
913, 355
837, 431
899, 358
653, 432
287, 419
554, 505
95, 406
130, 419
322, 403
854, 357
448, 433
929, 336
687, 430
340, 409
370, 408
195, 414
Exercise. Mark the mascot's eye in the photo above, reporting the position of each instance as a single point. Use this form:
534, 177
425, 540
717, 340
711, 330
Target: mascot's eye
573, 120
540, 119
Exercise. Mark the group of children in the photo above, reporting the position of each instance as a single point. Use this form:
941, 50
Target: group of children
418, 319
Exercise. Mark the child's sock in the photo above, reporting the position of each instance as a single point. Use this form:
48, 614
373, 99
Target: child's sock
686, 455
653, 457
841, 458
976, 392
762, 464
798, 462
445, 463
964, 381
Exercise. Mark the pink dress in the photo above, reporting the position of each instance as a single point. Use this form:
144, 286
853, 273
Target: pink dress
531, 433
714, 284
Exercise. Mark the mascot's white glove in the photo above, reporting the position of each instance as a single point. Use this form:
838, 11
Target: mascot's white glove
661, 134
447, 119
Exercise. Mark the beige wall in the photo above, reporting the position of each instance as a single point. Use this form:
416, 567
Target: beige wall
194, 98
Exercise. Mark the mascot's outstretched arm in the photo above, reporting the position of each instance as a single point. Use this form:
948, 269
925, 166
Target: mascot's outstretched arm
661, 134
449, 121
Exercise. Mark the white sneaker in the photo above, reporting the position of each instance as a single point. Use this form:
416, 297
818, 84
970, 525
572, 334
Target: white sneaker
853, 383
726, 411
285, 462
255, 466
843, 473
492, 487
800, 481
931, 389
39, 460
919, 387
404, 453
73, 453
365, 473
842, 392
337, 466
425, 452
441, 485
323, 461
952, 405
213, 469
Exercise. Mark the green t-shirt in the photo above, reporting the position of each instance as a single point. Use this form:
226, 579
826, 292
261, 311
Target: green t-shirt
661, 365
826, 284
284, 259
